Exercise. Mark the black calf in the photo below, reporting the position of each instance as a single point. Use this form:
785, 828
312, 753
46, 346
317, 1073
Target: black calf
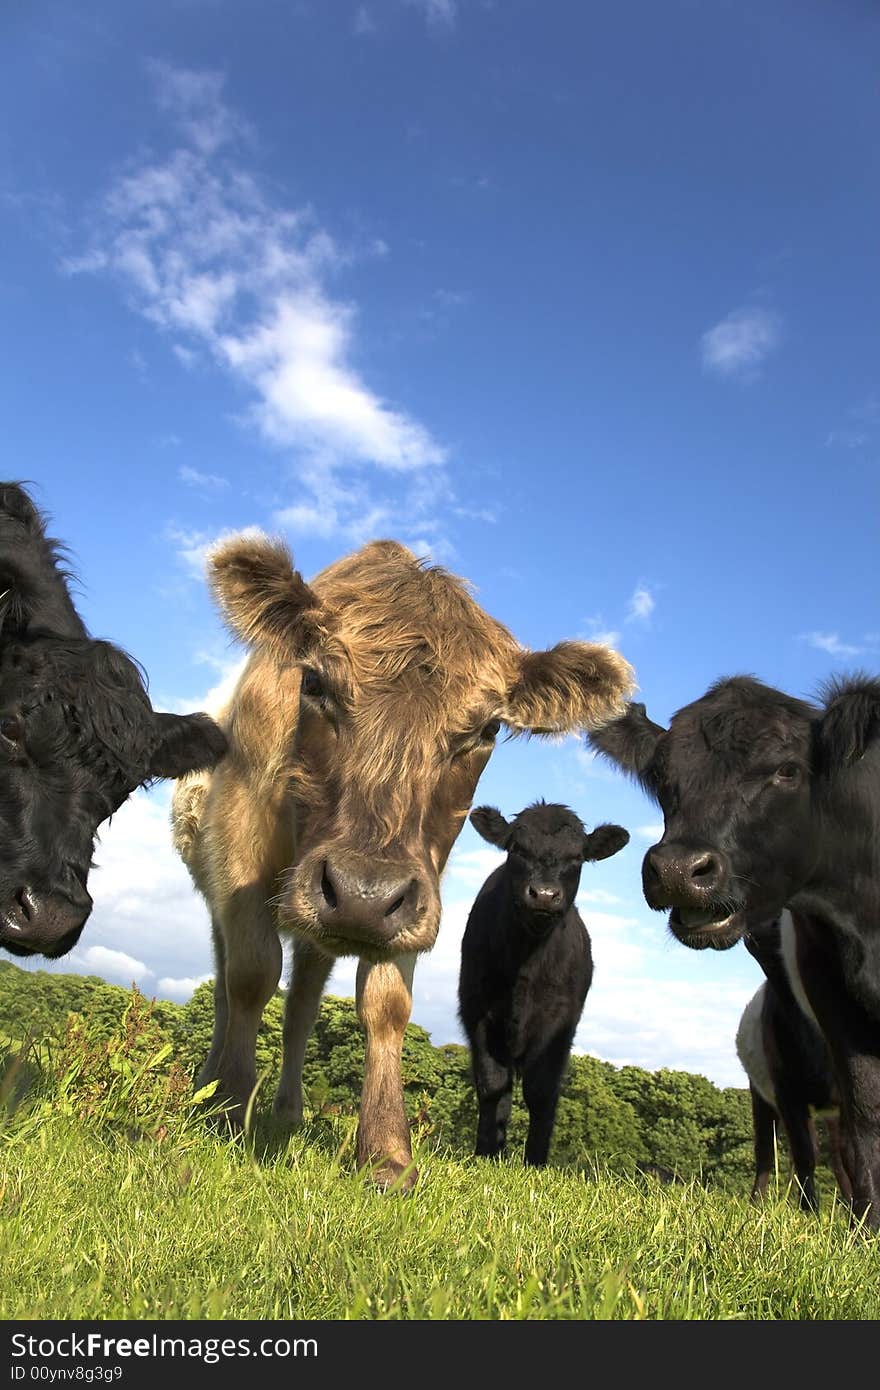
526, 966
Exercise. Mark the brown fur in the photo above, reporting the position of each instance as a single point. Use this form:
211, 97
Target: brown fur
373, 777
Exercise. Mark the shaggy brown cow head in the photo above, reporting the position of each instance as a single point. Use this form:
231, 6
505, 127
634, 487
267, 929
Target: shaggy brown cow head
405, 684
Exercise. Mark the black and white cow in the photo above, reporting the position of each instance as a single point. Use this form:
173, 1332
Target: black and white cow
77, 735
791, 1077
770, 802
526, 966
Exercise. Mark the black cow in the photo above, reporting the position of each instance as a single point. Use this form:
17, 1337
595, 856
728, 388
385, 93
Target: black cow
526, 966
770, 802
790, 1073
77, 735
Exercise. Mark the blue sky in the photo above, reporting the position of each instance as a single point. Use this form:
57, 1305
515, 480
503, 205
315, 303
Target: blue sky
579, 299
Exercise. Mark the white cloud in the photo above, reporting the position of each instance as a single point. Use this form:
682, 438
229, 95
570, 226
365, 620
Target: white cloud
738, 345
180, 990
440, 14
649, 832
830, 642
231, 275
471, 867
363, 22
208, 482
641, 605
109, 964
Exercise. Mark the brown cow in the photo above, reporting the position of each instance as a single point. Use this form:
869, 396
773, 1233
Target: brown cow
368, 709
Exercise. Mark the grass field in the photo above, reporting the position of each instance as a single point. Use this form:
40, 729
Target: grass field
98, 1225
119, 1201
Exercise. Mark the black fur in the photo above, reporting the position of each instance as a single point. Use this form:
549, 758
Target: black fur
77, 735
801, 1072
770, 802
526, 966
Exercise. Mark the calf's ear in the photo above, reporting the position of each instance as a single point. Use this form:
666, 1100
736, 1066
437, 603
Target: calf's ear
604, 841
574, 685
489, 822
262, 598
186, 743
850, 724
628, 742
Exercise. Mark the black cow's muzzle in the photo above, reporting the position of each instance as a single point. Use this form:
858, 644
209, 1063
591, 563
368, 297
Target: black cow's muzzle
33, 923
693, 882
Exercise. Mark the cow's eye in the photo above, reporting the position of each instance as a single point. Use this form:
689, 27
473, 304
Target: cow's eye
312, 686
12, 727
490, 731
787, 774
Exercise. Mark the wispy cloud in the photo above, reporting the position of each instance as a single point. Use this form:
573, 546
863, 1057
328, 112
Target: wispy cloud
205, 482
831, 643
232, 276
440, 14
641, 605
739, 344
649, 832
363, 22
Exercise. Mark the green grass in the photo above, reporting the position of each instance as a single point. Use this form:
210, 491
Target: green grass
97, 1225
118, 1200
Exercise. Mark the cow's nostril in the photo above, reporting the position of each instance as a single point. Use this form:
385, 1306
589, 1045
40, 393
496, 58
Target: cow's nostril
328, 890
25, 900
705, 867
392, 907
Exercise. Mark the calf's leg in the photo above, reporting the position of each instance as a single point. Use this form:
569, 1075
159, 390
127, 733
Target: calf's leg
211, 1066
802, 1142
252, 959
310, 972
493, 1080
384, 1003
542, 1082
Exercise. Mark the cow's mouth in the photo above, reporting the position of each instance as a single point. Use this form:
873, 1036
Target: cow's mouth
701, 927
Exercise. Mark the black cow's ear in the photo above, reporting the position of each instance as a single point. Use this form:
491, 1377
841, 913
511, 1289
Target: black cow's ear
186, 743
489, 822
850, 723
628, 742
604, 841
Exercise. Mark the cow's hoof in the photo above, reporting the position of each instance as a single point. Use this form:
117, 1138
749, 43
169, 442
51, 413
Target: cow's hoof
288, 1115
393, 1175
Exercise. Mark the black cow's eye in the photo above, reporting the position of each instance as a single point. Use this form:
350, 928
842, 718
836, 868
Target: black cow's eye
12, 727
490, 730
787, 774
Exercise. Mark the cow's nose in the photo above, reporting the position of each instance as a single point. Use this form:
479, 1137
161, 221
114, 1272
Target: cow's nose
42, 923
545, 897
679, 874
367, 906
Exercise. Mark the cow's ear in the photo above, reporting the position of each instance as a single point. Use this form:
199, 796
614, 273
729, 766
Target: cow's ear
850, 724
186, 743
629, 742
572, 686
263, 599
604, 841
489, 822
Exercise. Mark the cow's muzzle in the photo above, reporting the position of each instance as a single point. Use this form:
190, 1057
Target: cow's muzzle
694, 883
34, 923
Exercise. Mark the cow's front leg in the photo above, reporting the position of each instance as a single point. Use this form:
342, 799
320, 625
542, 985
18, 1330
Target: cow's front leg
384, 1002
310, 971
252, 952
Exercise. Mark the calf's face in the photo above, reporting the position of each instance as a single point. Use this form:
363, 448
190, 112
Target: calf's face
405, 683
746, 777
77, 735
546, 848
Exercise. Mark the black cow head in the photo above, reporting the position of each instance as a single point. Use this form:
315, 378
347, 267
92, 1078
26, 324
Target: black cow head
77, 735
546, 846
750, 782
